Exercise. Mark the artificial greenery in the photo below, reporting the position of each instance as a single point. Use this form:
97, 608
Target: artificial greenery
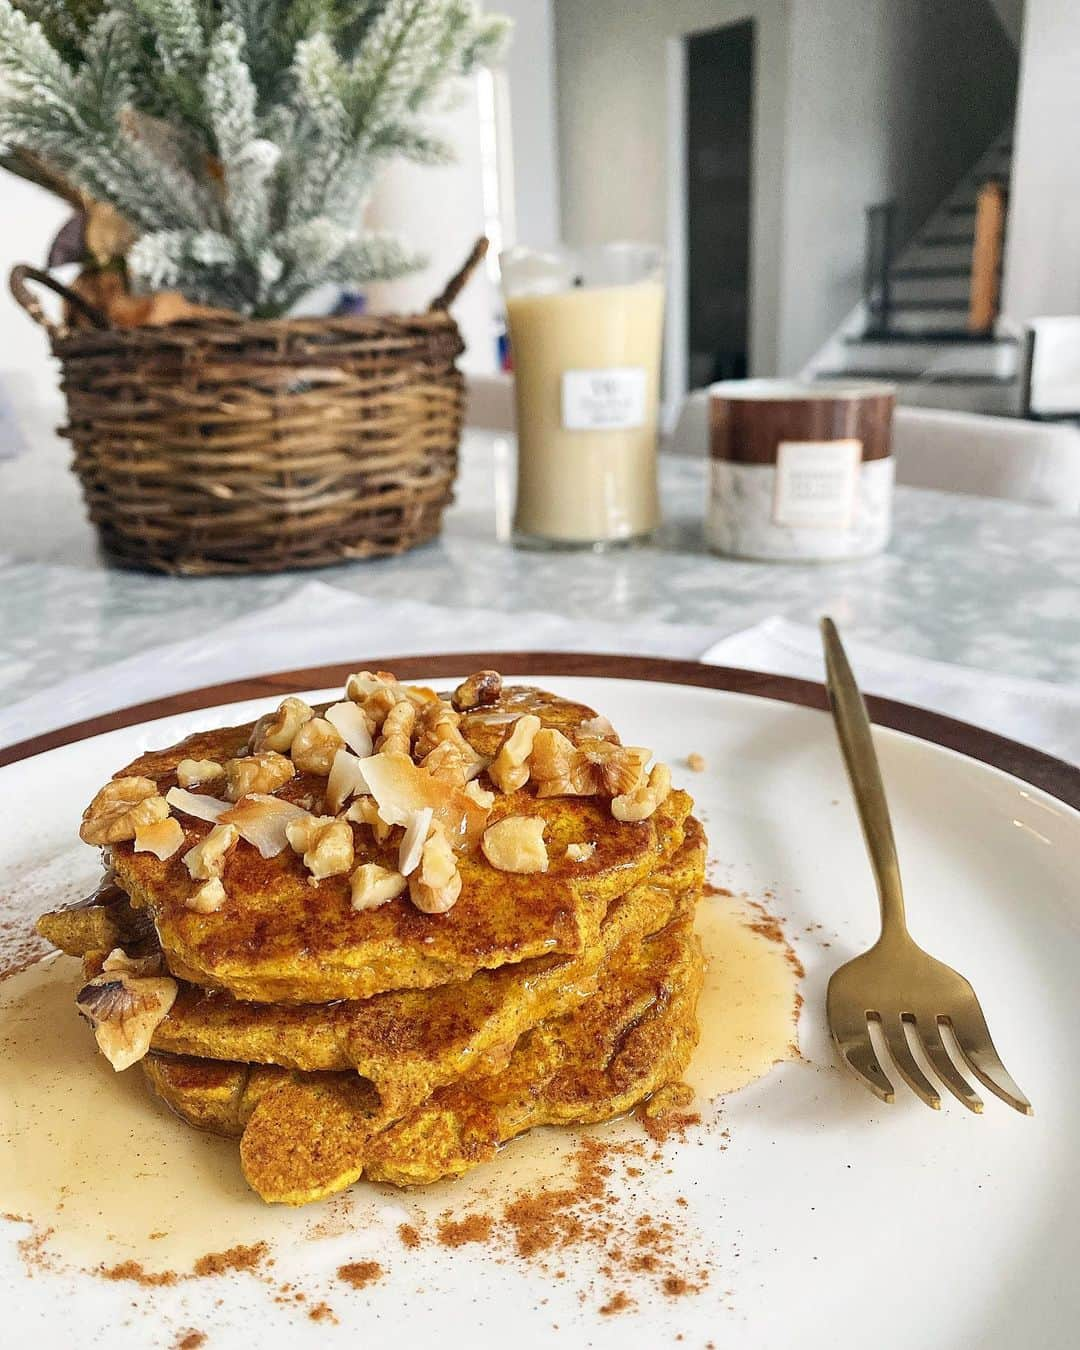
238, 138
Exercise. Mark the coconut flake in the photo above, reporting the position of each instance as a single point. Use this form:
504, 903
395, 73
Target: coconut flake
195, 804
349, 721
401, 788
412, 843
263, 821
346, 779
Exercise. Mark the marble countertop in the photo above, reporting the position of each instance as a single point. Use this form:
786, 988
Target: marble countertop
988, 584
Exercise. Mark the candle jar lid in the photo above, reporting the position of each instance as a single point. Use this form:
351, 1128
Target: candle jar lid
536, 271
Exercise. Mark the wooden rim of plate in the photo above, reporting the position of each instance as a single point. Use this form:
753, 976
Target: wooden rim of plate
1055, 776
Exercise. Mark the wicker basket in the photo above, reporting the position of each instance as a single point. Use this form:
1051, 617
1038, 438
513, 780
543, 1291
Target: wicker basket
233, 445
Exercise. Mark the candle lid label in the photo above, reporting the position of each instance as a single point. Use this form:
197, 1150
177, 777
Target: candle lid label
612, 399
816, 483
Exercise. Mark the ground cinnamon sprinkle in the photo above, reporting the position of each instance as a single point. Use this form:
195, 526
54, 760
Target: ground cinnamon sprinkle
709, 889
458, 1232
321, 1312
235, 1258
410, 1236
134, 1271
616, 1304
191, 1340
360, 1273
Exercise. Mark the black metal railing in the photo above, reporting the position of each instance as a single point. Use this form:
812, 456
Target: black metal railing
880, 249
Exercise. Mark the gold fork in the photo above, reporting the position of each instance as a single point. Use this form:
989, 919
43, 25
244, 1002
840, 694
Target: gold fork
896, 984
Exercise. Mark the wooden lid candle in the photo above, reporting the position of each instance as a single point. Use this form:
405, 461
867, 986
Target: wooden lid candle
585, 333
800, 471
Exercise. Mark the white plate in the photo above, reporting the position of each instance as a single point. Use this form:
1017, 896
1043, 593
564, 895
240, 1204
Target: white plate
829, 1220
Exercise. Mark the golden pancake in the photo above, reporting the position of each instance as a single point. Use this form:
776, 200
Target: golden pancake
307, 1135
278, 939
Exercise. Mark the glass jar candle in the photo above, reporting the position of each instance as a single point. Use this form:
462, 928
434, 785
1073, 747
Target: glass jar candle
800, 471
586, 328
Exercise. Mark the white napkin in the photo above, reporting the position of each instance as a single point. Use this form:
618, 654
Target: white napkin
318, 625
1046, 716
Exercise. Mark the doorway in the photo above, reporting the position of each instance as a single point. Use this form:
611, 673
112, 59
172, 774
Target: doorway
719, 77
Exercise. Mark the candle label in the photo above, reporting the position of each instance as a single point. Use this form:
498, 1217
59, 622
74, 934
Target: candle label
612, 399
816, 483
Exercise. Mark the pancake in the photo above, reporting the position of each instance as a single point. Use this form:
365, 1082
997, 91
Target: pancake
102, 921
305, 1136
278, 940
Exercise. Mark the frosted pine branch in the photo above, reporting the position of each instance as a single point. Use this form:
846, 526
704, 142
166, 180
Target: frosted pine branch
239, 138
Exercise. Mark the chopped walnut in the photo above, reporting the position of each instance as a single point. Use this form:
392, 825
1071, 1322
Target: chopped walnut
644, 799
365, 682
120, 808
277, 730
118, 960
207, 859
264, 772
209, 898
509, 770
160, 837
326, 843
365, 811
484, 799
446, 763
435, 886
397, 729
377, 705
580, 852
592, 767
480, 690
373, 886
439, 724
695, 762
316, 744
516, 844
125, 1007
192, 772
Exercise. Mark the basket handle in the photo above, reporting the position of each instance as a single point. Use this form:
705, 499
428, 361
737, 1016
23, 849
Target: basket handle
22, 273
457, 282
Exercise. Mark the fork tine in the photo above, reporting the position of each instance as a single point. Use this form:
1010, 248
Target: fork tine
929, 1034
857, 1052
913, 1076
973, 1038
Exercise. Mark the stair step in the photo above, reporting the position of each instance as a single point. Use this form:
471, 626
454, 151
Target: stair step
959, 306
909, 377
943, 240
941, 335
928, 273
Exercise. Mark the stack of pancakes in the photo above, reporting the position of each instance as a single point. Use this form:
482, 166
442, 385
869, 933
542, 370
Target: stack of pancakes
399, 1045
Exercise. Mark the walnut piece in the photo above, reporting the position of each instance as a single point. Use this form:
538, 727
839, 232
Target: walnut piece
125, 1008
365, 682
435, 886
373, 886
595, 728
509, 770
397, 729
365, 811
120, 808
315, 745
160, 837
209, 898
592, 767
645, 798
325, 842
447, 764
695, 762
277, 730
439, 724
191, 772
480, 690
516, 844
263, 772
207, 859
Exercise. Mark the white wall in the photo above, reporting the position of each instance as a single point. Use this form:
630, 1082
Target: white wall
1042, 259
30, 405
530, 78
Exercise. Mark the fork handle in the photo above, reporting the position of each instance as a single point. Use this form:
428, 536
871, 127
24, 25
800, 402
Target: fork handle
857, 745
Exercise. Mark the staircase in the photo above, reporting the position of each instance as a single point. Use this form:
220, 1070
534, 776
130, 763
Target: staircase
919, 337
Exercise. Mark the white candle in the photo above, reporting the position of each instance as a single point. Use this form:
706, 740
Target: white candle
585, 331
